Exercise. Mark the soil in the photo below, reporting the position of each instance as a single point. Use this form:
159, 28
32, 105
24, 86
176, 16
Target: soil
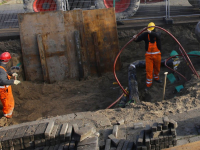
40, 100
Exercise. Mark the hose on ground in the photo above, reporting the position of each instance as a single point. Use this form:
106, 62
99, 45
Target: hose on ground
115, 101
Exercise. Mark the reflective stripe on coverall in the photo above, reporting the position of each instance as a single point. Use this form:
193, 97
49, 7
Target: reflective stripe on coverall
6, 97
153, 62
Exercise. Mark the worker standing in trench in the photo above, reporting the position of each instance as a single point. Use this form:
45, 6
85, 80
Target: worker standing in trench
153, 54
6, 95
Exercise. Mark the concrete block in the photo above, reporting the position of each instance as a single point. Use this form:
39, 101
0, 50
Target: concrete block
147, 140
157, 147
29, 145
125, 145
154, 128
138, 125
131, 145
120, 122
39, 143
114, 140
165, 127
61, 146
161, 139
108, 144
49, 129
87, 141
29, 134
159, 127
17, 147
162, 145
72, 145
140, 141
75, 128
68, 134
165, 132
120, 145
152, 141
173, 124
115, 130
165, 138
7, 139
165, 121
173, 132
156, 140
66, 146
122, 133
17, 139
63, 131
88, 147
144, 148
39, 133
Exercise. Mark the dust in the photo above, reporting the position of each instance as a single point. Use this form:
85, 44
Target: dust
40, 100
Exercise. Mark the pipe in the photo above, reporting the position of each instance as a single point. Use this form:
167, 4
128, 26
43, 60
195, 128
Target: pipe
115, 101
181, 48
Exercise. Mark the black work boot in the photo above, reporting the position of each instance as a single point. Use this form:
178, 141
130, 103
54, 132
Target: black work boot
158, 81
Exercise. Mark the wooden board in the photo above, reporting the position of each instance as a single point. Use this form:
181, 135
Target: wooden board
103, 22
189, 146
31, 24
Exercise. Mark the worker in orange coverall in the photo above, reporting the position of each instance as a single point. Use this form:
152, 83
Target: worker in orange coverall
153, 54
6, 95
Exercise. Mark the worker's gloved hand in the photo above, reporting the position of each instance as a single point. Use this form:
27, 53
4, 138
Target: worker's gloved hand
16, 82
134, 36
15, 75
149, 31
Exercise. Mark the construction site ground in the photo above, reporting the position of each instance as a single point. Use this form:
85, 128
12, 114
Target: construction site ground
36, 101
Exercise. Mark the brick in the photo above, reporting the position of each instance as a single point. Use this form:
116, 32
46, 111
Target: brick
46, 148
17, 138
120, 122
170, 146
29, 134
63, 131
153, 147
120, 145
75, 128
113, 148
162, 145
87, 141
39, 143
69, 133
165, 138
2, 134
49, 129
29, 145
140, 141
102, 144
170, 138
125, 145
51, 148
174, 142
40, 131
173, 124
66, 146
61, 146
144, 148
161, 139
17, 147
139, 147
157, 147
39, 148
165, 132
131, 145
173, 132
164, 127
156, 140
115, 130
152, 141
159, 127
114, 140
154, 128
108, 144
53, 132
138, 125
72, 145
7, 139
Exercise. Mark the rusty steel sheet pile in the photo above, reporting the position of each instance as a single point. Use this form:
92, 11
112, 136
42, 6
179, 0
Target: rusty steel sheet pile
73, 44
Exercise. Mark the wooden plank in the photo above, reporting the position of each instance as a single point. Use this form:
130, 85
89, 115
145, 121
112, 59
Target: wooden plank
43, 58
189, 146
97, 58
56, 56
31, 24
103, 22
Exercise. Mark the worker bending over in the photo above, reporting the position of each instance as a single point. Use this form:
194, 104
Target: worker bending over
6, 95
153, 54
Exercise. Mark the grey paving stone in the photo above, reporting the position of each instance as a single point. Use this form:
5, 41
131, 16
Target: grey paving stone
131, 145
140, 141
125, 146
7, 139
115, 130
49, 129
29, 145
63, 131
108, 144
138, 125
85, 132
147, 129
173, 124
122, 132
93, 140
120, 145
29, 134
2, 134
72, 145
53, 132
182, 142
113, 148
57, 135
194, 139
66, 146
68, 134
102, 144
165, 121
17, 138
120, 122
56, 147
88, 147
114, 140
147, 140
40, 131
39, 143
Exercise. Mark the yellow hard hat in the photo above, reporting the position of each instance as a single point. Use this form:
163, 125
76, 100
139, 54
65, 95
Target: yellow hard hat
151, 24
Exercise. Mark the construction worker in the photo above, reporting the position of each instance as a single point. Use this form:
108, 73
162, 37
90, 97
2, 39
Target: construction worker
153, 54
6, 95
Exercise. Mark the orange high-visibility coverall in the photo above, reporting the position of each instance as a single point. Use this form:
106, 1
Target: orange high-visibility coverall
153, 62
6, 97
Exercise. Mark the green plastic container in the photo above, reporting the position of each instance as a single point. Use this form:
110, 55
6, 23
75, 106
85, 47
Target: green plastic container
178, 88
173, 53
171, 78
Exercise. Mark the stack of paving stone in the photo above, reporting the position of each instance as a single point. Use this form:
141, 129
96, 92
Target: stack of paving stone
114, 143
161, 135
50, 136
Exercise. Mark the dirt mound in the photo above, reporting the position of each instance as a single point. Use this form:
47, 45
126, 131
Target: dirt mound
37, 100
